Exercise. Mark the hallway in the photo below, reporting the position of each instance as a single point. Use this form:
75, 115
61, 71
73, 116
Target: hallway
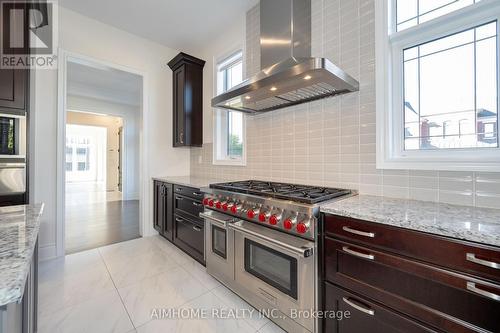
96, 217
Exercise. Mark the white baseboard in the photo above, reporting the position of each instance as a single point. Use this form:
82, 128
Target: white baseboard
47, 252
131, 196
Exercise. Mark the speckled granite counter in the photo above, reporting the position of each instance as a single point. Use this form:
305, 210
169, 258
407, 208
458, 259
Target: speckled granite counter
480, 225
197, 182
19, 227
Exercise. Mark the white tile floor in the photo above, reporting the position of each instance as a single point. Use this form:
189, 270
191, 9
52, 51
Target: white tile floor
116, 287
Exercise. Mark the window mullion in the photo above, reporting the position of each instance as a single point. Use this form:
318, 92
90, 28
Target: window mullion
475, 84
228, 138
419, 98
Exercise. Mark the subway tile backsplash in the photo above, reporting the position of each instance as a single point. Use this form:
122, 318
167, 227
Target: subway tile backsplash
331, 142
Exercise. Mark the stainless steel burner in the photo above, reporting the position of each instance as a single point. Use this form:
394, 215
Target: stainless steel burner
299, 193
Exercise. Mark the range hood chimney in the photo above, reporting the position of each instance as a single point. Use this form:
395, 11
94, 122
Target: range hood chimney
289, 75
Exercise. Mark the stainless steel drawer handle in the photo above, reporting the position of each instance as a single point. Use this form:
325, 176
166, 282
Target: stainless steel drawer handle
471, 286
358, 232
197, 204
198, 194
179, 219
216, 221
358, 307
178, 189
472, 257
303, 251
195, 228
270, 298
178, 198
358, 254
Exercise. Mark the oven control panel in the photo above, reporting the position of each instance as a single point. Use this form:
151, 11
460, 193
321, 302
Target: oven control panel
272, 214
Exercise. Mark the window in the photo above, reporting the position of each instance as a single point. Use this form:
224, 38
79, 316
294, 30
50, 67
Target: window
229, 126
77, 153
413, 12
437, 84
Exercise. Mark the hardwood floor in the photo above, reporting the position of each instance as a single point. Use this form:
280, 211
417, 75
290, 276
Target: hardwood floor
95, 219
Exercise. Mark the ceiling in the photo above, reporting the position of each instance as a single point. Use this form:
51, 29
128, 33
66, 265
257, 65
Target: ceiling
104, 83
179, 24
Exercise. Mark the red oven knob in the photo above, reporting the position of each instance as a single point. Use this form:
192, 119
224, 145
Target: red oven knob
205, 201
235, 208
288, 224
211, 202
274, 219
251, 213
263, 216
225, 206
302, 227
218, 205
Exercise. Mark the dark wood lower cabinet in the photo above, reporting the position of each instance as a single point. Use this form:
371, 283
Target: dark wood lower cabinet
188, 206
427, 293
189, 235
176, 218
163, 211
355, 314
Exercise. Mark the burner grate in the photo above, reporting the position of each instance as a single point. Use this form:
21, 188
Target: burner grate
298, 193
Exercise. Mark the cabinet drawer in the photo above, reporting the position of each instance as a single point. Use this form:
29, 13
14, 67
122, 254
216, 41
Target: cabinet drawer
467, 257
190, 237
189, 206
191, 192
444, 299
364, 315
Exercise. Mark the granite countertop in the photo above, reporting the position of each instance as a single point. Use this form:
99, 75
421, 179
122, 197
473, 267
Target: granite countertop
474, 224
19, 227
193, 181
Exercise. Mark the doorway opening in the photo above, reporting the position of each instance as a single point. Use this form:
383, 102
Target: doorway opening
101, 164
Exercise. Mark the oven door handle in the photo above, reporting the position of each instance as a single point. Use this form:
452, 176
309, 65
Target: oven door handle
301, 251
218, 222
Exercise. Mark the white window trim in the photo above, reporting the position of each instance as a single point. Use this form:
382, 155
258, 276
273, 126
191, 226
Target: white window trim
389, 89
216, 136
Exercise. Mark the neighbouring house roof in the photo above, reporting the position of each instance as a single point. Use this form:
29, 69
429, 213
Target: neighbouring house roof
483, 113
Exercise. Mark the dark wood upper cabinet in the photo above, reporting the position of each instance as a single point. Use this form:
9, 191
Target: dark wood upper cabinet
187, 100
14, 83
13, 90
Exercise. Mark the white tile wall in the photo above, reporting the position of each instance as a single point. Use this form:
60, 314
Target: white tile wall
332, 141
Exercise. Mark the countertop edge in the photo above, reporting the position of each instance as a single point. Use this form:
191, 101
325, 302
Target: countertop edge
15, 295
414, 224
191, 181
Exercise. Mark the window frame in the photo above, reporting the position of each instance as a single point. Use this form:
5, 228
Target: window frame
220, 117
389, 46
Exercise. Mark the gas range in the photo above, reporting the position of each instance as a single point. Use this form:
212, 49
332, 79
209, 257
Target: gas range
260, 241
291, 208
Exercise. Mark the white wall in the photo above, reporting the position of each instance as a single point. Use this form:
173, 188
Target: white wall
82, 35
231, 40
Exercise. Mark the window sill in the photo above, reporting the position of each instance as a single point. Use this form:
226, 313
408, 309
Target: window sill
230, 162
414, 163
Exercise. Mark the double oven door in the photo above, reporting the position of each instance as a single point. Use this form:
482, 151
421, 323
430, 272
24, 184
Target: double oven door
219, 246
277, 269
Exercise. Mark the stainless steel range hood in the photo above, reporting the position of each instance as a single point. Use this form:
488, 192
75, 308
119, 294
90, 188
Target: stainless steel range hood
289, 74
